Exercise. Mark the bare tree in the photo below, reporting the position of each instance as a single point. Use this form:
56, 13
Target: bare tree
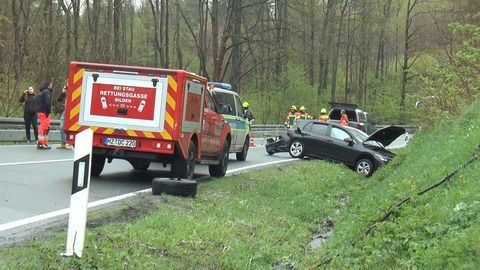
407, 64
333, 96
236, 69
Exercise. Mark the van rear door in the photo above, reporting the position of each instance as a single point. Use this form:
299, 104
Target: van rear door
123, 101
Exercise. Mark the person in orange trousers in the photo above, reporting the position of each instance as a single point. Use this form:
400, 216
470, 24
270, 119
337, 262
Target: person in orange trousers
43, 102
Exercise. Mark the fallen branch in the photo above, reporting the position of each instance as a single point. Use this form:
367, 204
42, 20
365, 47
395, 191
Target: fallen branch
398, 205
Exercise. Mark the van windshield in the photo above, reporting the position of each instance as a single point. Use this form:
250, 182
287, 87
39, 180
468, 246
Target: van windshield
224, 98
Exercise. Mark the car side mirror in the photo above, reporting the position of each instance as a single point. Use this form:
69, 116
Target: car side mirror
225, 108
348, 140
298, 130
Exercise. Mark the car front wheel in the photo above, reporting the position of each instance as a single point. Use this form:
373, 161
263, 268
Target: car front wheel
296, 149
364, 166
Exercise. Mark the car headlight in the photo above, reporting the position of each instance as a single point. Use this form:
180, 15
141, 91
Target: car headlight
382, 158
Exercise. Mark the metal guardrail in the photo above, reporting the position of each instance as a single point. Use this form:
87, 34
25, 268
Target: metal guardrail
12, 129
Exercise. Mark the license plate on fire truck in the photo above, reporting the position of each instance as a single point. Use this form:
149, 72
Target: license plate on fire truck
120, 142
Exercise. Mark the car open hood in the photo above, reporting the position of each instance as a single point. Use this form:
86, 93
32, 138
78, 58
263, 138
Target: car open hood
386, 135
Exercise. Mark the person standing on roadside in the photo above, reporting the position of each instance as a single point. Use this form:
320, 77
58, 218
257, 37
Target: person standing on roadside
61, 101
343, 118
43, 102
29, 113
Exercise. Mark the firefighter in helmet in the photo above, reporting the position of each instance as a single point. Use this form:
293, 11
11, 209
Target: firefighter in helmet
304, 114
323, 115
291, 116
248, 113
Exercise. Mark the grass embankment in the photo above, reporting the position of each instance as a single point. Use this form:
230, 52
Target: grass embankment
265, 219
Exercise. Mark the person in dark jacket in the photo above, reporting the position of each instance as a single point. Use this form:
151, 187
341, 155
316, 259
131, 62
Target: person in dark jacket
43, 102
61, 101
29, 113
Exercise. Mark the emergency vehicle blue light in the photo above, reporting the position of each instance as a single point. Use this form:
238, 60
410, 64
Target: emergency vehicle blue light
222, 85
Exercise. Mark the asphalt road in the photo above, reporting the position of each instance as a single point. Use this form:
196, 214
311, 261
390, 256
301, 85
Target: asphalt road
35, 182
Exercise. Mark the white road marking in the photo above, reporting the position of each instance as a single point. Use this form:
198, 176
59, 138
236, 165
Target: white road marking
229, 172
65, 211
35, 162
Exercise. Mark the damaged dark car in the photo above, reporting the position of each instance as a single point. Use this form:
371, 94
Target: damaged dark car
331, 141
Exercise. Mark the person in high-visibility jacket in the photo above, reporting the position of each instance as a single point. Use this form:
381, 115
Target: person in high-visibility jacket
292, 115
323, 115
248, 113
304, 114
343, 118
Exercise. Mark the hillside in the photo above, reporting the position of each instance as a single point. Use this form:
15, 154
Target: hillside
266, 219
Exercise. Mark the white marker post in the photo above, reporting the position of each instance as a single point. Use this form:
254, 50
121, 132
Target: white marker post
77, 222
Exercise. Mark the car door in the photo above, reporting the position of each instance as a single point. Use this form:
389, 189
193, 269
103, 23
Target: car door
338, 149
315, 137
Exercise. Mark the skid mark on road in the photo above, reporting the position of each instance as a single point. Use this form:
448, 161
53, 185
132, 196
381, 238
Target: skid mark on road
35, 162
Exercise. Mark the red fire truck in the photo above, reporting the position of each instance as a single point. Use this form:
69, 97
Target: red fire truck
146, 115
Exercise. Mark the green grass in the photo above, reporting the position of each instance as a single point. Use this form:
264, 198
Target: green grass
265, 219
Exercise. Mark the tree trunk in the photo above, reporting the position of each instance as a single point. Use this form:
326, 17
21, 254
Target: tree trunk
76, 25
406, 54
17, 40
311, 51
117, 43
177, 37
68, 26
167, 35
333, 95
325, 46
236, 69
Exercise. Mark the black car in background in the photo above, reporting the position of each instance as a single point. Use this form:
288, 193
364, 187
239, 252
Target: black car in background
353, 147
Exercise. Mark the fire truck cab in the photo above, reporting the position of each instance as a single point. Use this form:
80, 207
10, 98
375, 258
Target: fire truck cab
146, 115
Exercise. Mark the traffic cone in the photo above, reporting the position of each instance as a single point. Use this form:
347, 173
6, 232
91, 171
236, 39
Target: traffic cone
252, 141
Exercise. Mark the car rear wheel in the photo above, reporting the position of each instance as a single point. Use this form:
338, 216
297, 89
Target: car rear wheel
185, 168
98, 162
242, 156
364, 166
221, 169
296, 149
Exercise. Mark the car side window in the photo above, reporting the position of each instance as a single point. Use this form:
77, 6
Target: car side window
308, 127
338, 133
210, 103
319, 129
238, 103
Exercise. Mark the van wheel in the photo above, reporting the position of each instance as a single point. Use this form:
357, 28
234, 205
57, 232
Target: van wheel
296, 149
184, 168
364, 166
242, 156
140, 164
221, 169
98, 162
186, 188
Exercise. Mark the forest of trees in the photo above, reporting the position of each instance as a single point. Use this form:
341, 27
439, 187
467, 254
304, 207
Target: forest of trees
384, 55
